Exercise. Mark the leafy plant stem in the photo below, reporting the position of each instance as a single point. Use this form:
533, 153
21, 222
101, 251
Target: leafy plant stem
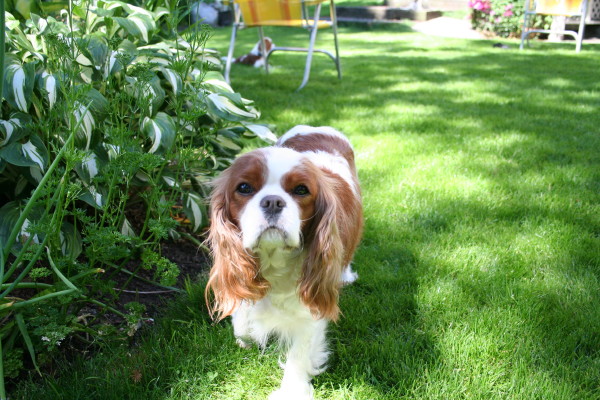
26, 270
2, 41
134, 275
194, 240
28, 242
2, 389
36, 194
105, 306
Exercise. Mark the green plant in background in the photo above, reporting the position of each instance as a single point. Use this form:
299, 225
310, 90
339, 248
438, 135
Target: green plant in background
501, 17
112, 125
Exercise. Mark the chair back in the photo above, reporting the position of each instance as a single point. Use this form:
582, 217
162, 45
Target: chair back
271, 12
558, 7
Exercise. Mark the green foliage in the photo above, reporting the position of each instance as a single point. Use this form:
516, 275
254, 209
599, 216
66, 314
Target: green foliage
503, 18
111, 126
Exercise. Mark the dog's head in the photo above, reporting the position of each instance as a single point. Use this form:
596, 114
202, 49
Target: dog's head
278, 199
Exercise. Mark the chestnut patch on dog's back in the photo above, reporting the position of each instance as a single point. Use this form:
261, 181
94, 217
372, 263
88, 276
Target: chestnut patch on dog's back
321, 142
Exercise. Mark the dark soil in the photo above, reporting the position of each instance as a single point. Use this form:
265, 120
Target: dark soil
193, 262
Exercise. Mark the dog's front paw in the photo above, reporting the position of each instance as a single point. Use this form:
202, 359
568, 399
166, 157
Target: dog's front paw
296, 392
242, 343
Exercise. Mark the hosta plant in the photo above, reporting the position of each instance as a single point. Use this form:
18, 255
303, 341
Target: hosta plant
110, 127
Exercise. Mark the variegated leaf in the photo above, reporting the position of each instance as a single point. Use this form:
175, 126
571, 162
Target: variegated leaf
18, 83
112, 150
88, 168
161, 131
7, 128
92, 197
152, 91
70, 241
126, 228
9, 215
262, 131
49, 85
85, 122
33, 153
215, 82
229, 106
194, 206
137, 25
174, 79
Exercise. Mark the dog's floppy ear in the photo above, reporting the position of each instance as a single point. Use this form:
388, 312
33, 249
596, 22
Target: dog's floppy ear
235, 272
321, 272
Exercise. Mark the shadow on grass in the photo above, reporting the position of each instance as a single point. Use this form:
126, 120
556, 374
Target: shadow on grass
525, 247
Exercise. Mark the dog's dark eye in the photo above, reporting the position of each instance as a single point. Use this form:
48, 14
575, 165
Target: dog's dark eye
301, 190
245, 189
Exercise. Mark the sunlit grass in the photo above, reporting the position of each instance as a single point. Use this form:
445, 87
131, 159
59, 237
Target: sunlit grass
480, 263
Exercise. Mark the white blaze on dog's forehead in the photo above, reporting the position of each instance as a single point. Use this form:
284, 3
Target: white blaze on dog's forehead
306, 130
280, 161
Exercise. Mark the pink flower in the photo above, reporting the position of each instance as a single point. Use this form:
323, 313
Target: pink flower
507, 13
509, 6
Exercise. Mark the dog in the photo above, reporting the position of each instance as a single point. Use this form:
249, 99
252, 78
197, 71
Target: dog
285, 222
255, 58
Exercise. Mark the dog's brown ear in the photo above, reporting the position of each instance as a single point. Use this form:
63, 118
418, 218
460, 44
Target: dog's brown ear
322, 269
234, 275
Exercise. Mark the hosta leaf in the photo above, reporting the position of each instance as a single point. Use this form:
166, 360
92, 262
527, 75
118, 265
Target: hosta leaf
11, 22
170, 180
83, 60
229, 106
113, 65
161, 130
112, 151
97, 49
130, 9
215, 82
137, 25
262, 132
195, 209
40, 24
36, 173
7, 129
29, 154
98, 103
70, 241
228, 143
18, 83
128, 51
9, 215
88, 168
85, 122
126, 228
92, 197
152, 91
36, 153
48, 84
173, 78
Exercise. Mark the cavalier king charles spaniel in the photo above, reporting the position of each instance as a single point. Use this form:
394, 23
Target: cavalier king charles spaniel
285, 222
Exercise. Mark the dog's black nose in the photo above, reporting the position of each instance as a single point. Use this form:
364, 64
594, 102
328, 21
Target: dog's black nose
272, 205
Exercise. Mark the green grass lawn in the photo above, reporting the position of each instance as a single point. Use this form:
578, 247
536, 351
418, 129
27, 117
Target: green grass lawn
480, 263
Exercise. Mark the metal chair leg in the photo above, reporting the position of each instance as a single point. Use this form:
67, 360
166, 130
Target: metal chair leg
311, 46
581, 31
263, 49
230, 53
333, 14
